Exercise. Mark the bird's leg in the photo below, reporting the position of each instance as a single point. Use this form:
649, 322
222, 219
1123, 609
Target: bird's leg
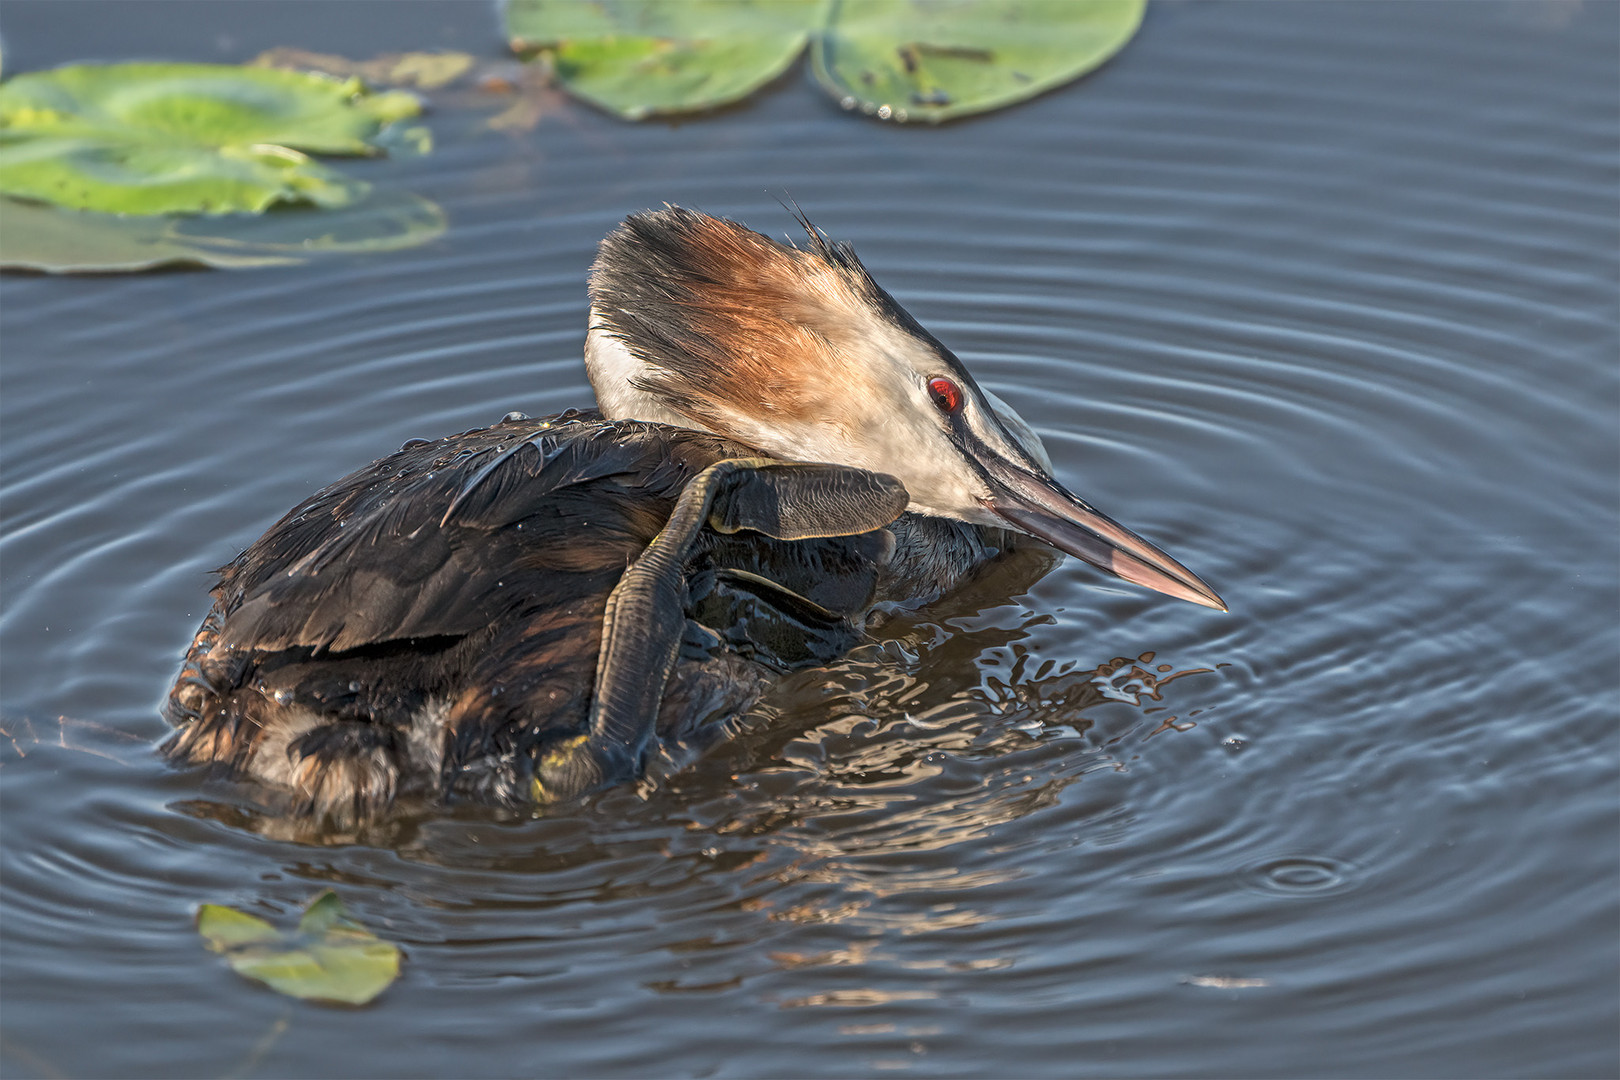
646, 612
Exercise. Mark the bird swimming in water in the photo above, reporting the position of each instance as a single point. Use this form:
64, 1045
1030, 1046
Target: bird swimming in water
528, 612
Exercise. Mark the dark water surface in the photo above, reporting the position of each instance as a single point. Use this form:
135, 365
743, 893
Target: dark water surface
1321, 297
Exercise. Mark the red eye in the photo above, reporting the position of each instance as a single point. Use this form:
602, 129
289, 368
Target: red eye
946, 394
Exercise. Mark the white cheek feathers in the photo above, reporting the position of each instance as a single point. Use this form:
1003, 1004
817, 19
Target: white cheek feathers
615, 372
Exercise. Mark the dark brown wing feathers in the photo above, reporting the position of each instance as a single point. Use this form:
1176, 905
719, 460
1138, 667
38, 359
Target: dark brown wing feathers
467, 573
376, 557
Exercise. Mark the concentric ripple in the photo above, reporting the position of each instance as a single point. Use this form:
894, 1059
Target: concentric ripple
1319, 297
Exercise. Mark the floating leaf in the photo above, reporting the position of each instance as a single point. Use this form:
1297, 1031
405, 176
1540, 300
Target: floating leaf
148, 178
47, 239
934, 60
641, 58
206, 104
330, 957
43, 238
185, 138
423, 70
534, 95
226, 928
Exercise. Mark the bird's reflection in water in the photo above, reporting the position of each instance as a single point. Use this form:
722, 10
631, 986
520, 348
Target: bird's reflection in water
864, 805
887, 777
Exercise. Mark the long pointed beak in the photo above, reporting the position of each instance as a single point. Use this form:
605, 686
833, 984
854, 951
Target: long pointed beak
1046, 509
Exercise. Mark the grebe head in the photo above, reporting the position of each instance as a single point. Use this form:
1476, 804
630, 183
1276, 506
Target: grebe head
702, 323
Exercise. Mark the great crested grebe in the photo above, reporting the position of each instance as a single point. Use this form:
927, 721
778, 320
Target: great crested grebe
530, 611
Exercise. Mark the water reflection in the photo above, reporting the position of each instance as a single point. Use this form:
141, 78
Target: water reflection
872, 801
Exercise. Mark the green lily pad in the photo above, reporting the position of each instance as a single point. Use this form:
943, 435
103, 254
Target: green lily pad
38, 237
186, 138
54, 241
933, 60
641, 58
150, 178
330, 957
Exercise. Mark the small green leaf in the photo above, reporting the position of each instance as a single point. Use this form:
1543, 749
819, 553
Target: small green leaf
326, 914
330, 957
51, 240
642, 58
227, 928
933, 60
185, 138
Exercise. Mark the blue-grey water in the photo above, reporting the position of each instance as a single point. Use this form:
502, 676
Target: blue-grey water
1322, 297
